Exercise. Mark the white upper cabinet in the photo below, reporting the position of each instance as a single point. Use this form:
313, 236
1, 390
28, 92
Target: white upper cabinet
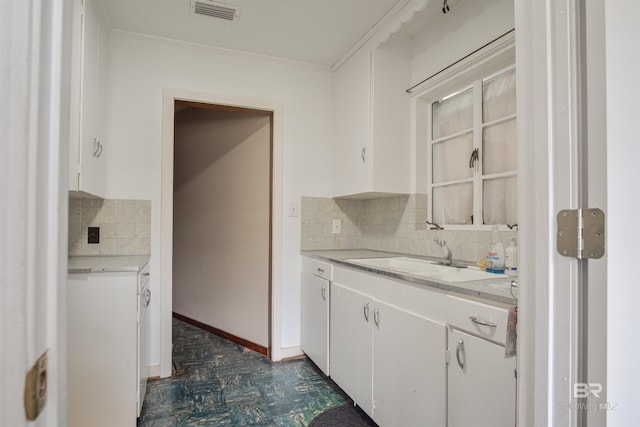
372, 122
88, 103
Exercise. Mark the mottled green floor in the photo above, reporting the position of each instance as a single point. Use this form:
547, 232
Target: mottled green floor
219, 383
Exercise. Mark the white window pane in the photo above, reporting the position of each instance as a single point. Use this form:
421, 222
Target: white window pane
453, 204
499, 148
453, 115
451, 159
500, 201
499, 96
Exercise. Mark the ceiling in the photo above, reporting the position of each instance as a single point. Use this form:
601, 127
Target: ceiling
315, 31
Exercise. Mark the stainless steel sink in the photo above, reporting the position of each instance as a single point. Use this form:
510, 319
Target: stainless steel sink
428, 269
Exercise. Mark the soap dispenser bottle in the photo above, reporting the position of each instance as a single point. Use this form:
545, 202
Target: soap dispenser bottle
511, 258
495, 255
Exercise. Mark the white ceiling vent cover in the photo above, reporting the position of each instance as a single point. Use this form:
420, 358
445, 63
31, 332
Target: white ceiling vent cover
225, 12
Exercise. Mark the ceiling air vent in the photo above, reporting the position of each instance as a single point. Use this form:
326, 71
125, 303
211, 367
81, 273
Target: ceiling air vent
226, 12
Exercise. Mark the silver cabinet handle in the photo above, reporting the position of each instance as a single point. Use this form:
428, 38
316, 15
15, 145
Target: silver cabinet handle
99, 149
365, 310
460, 349
477, 321
96, 147
147, 295
376, 316
363, 154
323, 292
320, 270
145, 274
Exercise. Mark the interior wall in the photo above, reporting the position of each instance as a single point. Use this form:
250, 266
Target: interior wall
469, 25
221, 220
141, 67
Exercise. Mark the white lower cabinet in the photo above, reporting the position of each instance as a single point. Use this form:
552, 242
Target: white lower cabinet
481, 381
390, 361
107, 347
408, 369
314, 338
407, 354
352, 344
482, 384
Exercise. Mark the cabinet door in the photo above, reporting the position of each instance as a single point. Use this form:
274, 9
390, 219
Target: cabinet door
315, 320
351, 344
352, 94
102, 349
93, 104
390, 151
409, 380
482, 384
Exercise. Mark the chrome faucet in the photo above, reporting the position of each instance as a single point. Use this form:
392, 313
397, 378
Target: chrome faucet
447, 257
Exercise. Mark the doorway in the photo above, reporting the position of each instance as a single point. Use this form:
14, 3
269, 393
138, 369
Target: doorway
222, 220
229, 104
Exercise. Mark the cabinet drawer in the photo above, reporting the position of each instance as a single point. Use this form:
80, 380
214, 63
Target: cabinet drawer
317, 268
477, 318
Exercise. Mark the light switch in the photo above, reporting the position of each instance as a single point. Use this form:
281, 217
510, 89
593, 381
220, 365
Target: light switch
293, 209
336, 226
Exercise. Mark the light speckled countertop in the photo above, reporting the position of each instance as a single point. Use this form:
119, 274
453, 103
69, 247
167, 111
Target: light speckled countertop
497, 289
107, 264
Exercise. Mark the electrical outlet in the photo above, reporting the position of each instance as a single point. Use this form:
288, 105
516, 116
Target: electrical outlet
336, 226
35, 388
93, 235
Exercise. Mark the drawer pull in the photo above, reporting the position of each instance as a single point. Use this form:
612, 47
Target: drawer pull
145, 274
477, 321
320, 270
376, 316
365, 310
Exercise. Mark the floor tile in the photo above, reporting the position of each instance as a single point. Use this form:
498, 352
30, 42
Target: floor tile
219, 383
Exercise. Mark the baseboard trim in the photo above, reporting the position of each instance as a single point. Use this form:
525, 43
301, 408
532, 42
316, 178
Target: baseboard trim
226, 335
154, 372
290, 353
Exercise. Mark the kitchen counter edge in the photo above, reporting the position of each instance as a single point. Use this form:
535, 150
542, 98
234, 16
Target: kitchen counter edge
341, 257
107, 264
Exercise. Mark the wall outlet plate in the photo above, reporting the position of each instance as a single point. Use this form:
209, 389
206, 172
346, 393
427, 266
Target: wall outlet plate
336, 226
93, 235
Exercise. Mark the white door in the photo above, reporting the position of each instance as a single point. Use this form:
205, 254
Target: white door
409, 380
351, 344
314, 337
482, 383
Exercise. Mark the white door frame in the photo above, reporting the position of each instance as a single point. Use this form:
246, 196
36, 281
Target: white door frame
170, 95
552, 165
548, 96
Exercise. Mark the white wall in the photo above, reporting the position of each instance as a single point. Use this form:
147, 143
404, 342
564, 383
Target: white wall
468, 26
221, 220
141, 67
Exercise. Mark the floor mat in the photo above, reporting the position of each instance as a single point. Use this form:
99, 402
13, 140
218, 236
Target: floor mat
345, 415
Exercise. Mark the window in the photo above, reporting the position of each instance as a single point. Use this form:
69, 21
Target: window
472, 162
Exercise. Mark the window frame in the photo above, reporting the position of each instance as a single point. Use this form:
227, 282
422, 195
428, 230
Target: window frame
490, 61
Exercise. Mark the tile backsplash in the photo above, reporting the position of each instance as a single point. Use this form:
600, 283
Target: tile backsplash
125, 226
393, 224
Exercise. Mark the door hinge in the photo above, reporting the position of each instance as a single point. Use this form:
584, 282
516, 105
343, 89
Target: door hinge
580, 233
